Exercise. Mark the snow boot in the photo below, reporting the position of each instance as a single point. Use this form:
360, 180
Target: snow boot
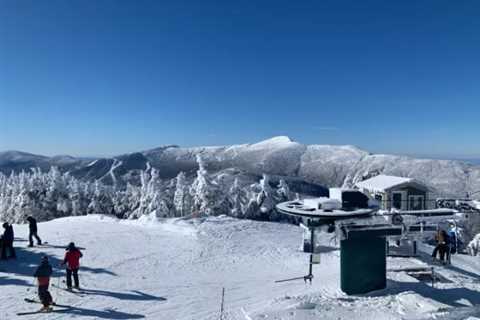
46, 309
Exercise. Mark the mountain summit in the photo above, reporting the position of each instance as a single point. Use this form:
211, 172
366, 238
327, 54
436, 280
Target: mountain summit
327, 165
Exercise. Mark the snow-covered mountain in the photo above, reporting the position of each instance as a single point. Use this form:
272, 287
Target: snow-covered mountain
17, 161
325, 165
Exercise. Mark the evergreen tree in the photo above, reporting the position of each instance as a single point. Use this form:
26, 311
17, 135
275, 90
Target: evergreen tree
181, 198
201, 191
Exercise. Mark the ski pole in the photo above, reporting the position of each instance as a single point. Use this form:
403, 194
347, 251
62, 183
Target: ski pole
58, 287
32, 285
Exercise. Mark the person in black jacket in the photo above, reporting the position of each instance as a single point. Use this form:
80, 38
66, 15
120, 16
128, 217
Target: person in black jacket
7, 242
43, 274
32, 225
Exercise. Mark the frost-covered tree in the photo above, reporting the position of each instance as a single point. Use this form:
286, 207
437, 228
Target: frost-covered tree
101, 202
283, 191
52, 194
265, 197
237, 199
181, 197
202, 191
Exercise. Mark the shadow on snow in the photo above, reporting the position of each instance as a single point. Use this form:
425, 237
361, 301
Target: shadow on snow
6, 281
101, 314
447, 296
132, 295
97, 314
28, 260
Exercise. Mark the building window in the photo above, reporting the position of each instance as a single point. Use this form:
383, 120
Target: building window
397, 200
416, 202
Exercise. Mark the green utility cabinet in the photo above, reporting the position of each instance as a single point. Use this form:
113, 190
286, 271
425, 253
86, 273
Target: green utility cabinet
363, 258
363, 265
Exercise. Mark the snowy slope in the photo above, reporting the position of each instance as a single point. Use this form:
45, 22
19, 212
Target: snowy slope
176, 270
130, 265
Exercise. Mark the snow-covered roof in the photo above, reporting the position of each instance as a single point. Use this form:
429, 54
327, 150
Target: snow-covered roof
383, 182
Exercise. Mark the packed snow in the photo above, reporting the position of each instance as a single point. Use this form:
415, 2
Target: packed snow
175, 269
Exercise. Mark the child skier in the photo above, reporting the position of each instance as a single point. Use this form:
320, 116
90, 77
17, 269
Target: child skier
72, 260
32, 226
43, 273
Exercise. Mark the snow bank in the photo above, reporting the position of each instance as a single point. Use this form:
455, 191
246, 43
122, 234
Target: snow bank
173, 225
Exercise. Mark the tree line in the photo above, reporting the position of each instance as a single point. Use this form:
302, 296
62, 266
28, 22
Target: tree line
53, 194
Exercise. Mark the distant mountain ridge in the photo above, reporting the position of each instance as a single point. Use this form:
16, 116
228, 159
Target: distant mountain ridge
326, 165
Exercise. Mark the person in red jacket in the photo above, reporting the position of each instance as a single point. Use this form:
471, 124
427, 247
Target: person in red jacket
72, 261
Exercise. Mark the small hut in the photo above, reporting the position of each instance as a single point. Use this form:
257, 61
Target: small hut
397, 192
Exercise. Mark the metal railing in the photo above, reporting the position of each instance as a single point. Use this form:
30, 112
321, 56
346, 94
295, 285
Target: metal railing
460, 204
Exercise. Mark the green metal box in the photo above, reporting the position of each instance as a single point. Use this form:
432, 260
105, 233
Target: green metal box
363, 264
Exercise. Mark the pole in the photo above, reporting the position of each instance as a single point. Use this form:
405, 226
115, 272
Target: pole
312, 251
58, 285
433, 277
33, 285
221, 306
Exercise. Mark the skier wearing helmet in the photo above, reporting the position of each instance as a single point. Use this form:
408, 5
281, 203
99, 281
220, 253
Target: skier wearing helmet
43, 273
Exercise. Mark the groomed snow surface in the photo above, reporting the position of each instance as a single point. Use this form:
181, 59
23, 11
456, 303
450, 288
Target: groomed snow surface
175, 269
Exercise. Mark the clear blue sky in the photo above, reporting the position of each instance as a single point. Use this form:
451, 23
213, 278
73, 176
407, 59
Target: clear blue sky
107, 77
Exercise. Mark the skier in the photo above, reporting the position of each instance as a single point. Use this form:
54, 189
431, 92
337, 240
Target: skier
43, 273
72, 260
7, 242
32, 225
441, 238
451, 241
452, 237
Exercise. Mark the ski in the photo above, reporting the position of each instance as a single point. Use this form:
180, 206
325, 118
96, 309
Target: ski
38, 301
40, 312
31, 300
77, 292
43, 244
34, 312
65, 307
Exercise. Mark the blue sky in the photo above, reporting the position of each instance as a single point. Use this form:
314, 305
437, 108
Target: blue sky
107, 77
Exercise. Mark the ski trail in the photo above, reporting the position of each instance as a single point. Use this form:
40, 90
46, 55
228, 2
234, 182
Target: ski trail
116, 163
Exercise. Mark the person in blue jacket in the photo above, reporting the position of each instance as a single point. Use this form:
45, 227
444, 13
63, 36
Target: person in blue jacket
452, 241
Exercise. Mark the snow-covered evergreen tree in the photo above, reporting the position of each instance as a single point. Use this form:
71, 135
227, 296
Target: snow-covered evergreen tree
265, 197
283, 191
236, 198
202, 191
181, 198
52, 194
